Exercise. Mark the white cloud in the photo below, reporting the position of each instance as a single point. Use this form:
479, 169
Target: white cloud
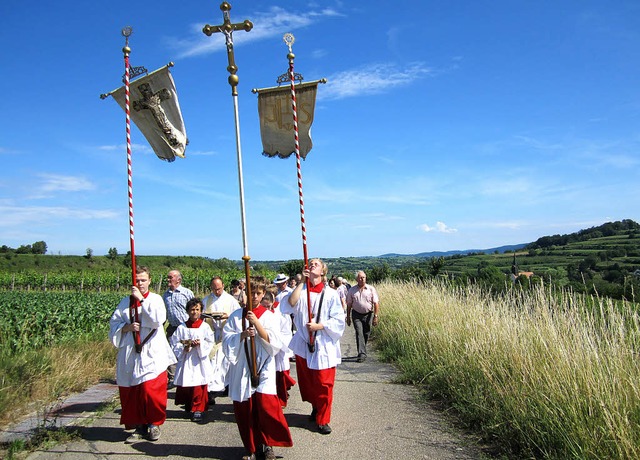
372, 79
42, 215
440, 227
274, 22
123, 148
58, 182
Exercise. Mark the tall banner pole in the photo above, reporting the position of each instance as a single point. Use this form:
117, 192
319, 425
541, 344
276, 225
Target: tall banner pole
227, 29
289, 39
133, 302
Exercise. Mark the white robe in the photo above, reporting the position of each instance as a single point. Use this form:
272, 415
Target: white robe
239, 376
226, 303
327, 343
133, 368
194, 367
282, 358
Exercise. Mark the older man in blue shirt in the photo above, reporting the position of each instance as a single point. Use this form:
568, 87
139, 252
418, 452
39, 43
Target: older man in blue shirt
175, 300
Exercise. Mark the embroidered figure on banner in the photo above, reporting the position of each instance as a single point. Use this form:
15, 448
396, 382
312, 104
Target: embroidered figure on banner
153, 102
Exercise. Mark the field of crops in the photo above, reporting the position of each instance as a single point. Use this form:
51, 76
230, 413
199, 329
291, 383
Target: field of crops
107, 280
32, 320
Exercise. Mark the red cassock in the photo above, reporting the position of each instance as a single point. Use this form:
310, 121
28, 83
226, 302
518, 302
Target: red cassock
145, 403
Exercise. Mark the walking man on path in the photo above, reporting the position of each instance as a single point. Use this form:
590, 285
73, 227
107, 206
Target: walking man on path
175, 300
363, 307
220, 304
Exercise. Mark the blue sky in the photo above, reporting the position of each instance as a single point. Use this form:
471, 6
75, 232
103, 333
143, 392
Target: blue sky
443, 126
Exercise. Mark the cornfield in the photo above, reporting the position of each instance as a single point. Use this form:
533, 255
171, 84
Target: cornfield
32, 320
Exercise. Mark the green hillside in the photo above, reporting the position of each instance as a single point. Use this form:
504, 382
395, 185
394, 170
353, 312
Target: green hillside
600, 260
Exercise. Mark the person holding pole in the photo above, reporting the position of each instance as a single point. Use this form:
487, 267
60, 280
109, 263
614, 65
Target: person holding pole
192, 342
256, 406
141, 369
316, 342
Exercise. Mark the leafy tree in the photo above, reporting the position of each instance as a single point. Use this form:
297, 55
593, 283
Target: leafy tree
89, 253
292, 267
411, 273
378, 273
225, 264
491, 276
112, 254
436, 265
24, 249
39, 247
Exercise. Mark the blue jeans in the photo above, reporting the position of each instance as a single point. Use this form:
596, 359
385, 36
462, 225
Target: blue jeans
362, 326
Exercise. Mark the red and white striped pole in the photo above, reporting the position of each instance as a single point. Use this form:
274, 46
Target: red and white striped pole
289, 39
134, 303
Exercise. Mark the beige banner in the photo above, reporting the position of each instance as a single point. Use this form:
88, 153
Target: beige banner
276, 119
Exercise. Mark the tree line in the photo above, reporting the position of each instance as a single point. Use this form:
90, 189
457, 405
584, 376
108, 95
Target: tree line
39, 247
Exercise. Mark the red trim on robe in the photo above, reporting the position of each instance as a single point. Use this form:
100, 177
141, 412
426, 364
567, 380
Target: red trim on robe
145, 403
260, 420
316, 387
259, 311
317, 288
284, 382
195, 398
194, 324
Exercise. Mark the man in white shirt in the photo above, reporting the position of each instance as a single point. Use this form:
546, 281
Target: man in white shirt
219, 304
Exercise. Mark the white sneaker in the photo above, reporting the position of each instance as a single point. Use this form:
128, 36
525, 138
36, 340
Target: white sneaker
154, 432
138, 435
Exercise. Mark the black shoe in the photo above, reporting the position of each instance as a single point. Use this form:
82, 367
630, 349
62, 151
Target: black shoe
314, 412
361, 358
197, 417
324, 429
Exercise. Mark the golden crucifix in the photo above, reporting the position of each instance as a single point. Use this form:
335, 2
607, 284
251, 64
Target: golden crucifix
227, 29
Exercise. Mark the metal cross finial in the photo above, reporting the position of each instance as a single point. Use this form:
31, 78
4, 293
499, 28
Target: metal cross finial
227, 29
126, 32
289, 40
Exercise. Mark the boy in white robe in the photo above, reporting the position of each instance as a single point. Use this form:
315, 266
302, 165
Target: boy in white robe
143, 357
257, 409
316, 364
284, 381
192, 342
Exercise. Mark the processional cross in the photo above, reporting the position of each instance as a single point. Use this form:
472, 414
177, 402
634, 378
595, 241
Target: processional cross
227, 29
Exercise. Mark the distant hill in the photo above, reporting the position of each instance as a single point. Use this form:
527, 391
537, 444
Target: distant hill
499, 250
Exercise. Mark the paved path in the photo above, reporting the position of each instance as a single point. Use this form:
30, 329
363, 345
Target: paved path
372, 419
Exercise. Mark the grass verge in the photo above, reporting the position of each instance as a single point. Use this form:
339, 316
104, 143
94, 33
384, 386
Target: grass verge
543, 374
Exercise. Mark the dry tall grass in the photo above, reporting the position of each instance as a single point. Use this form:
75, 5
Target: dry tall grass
542, 373
33, 381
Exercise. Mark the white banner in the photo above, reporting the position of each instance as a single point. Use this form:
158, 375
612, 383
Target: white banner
155, 110
276, 119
